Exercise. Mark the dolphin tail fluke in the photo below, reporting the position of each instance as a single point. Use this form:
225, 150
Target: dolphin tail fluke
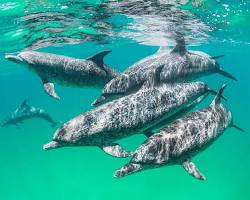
127, 169
226, 74
238, 128
218, 96
215, 93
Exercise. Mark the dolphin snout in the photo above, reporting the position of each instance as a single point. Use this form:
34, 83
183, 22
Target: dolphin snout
51, 145
14, 58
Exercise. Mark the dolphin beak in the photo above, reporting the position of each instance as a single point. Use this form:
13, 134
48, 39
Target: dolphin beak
51, 145
16, 59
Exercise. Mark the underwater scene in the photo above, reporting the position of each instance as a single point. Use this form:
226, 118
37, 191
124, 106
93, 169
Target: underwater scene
124, 99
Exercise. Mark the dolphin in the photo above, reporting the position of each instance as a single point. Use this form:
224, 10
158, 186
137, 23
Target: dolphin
91, 72
177, 143
123, 117
25, 112
178, 65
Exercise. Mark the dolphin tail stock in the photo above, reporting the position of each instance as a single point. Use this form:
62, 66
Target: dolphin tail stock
127, 169
217, 98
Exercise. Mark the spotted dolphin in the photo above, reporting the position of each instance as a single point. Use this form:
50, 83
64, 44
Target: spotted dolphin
178, 65
25, 112
123, 117
177, 143
91, 72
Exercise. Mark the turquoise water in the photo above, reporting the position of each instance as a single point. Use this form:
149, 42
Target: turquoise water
27, 172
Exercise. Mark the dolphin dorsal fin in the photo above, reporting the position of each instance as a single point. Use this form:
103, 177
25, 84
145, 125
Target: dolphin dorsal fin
153, 78
98, 58
22, 107
180, 46
162, 49
24, 103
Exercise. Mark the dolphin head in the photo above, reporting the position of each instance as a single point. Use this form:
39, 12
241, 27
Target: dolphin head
117, 85
15, 58
72, 133
25, 58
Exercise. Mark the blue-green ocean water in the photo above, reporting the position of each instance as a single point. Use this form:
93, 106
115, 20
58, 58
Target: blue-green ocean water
27, 172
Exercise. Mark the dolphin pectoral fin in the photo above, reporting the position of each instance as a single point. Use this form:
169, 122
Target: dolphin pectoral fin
50, 89
116, 150
193, 170
127, 169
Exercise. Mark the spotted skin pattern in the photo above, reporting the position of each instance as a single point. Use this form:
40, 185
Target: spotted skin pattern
180, 141
128, 115
176, 67
64, 70
67, 70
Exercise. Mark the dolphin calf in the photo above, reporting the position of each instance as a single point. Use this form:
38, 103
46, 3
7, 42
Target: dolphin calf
178, 65
182, 140
25, 112
132, 114
52, 68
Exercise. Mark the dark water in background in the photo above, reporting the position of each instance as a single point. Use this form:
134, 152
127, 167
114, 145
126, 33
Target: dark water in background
133, 30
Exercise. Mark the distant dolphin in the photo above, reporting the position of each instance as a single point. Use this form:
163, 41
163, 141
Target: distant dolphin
25, 112
178, 65
132, 114
182, 140
52, 68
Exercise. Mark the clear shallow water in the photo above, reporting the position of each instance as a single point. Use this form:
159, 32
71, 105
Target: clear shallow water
27, 172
